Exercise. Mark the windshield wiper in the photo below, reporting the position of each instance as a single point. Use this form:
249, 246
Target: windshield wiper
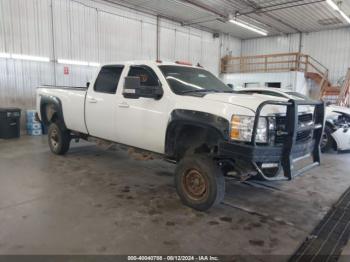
199, 91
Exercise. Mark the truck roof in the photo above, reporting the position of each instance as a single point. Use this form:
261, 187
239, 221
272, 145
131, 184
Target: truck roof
150, 63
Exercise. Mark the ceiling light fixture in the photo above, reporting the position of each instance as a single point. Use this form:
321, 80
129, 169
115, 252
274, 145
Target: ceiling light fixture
72, 62
336, 8
344, 16
5, 55
94, 64
333, 5
25, 57
251, 28
30, 58
75, 62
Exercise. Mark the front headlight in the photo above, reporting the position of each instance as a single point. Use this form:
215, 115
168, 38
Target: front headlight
242, 129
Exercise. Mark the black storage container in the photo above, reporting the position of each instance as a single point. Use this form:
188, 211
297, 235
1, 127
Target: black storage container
10, 122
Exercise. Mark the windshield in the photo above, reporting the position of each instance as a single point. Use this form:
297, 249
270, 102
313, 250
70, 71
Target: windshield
297, 95
188, 79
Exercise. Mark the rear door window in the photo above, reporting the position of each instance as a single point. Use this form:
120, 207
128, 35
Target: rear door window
147, 76
108, 79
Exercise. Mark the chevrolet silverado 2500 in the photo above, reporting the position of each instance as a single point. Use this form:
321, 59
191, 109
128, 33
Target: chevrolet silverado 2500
188, 116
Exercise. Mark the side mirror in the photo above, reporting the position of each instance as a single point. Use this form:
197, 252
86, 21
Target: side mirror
134, 90
230, 85
87, 84
132, 86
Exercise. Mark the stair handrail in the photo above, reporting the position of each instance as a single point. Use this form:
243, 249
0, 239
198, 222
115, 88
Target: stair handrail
296, 61
315, 64
344, 95
324, 83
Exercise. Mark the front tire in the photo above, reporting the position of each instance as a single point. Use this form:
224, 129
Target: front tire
59, 139
199, 182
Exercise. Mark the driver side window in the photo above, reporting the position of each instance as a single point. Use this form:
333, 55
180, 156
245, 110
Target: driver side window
147, 77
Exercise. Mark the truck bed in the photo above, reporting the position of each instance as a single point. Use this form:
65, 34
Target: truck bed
72, 100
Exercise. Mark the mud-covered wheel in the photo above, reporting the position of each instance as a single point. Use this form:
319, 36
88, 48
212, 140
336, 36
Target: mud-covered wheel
59, 139
199, 182
326, 140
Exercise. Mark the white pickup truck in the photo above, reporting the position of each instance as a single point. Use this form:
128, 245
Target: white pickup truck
188, 116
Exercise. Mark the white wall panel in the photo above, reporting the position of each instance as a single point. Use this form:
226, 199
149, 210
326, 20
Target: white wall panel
91, 31
25, 27
78, 75
195, 48
76, 31
19, 79
230, 46
182, 44
331, 48
287, 79
211, 53
167, 44
271, 45
188, 44
148, 41
120, 38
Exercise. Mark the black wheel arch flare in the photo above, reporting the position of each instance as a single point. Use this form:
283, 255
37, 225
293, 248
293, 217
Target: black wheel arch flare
184, 117
57, 105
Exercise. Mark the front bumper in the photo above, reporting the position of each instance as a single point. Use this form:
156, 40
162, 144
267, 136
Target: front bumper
291, 150
263, 154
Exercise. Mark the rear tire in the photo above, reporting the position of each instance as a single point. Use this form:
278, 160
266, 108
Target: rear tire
59, 139
199, 182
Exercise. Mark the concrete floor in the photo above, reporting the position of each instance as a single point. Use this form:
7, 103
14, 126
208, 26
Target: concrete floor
93, 201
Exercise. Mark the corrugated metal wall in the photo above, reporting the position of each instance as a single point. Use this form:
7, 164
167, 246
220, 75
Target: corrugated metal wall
87, 31
24, 29
90, 31
331, 48
271, 45
230, 46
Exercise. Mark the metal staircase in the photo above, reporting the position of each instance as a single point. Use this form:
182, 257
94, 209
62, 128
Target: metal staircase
344, 95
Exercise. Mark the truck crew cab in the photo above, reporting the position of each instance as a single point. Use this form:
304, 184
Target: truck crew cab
188, 116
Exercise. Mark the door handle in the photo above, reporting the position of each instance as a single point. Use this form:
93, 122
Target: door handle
92, 100
124, 105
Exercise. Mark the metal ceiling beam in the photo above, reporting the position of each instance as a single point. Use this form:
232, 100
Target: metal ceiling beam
153, 13
266, 9
200, 21
205, 7
256, 8
253, 5
246, 2
209, 9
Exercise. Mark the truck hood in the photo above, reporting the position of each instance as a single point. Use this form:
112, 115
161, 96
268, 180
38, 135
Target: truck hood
337, 109
249, 101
